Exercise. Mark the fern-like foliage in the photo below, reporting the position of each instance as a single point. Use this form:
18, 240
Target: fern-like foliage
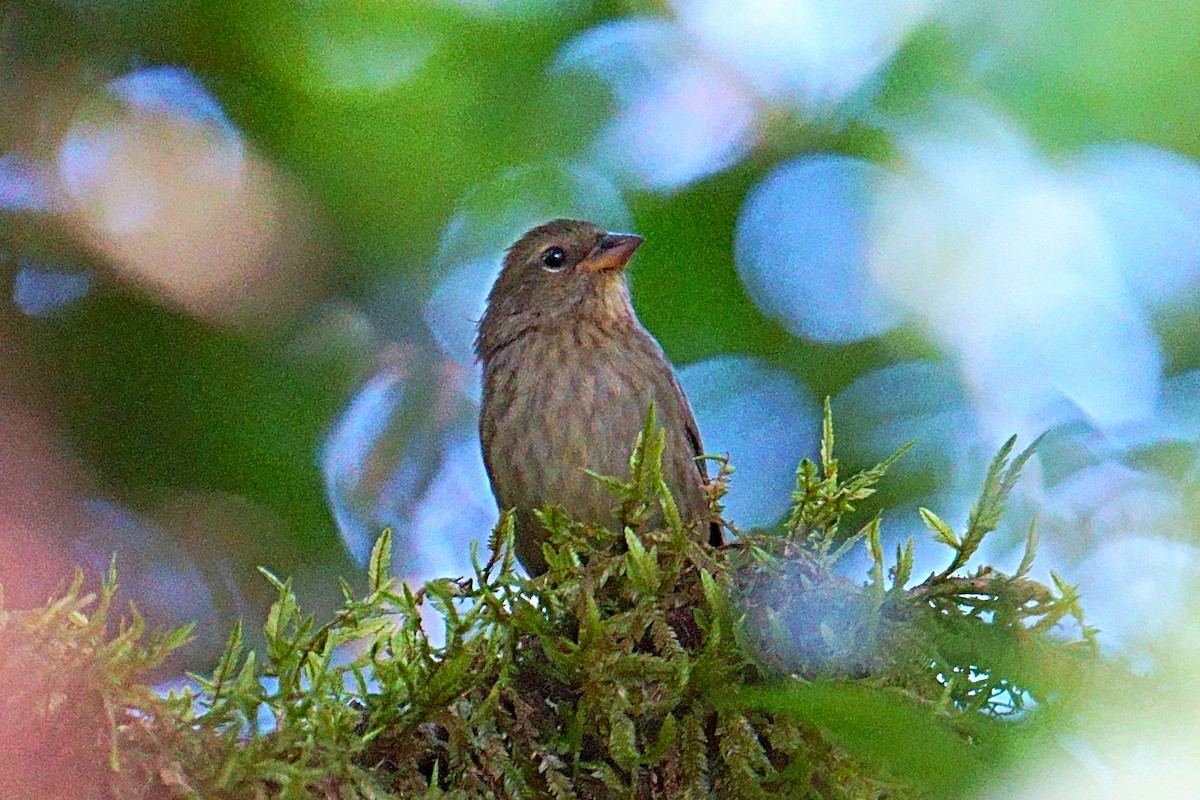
643, 664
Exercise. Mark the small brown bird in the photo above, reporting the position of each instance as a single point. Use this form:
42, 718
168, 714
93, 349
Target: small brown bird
568, 374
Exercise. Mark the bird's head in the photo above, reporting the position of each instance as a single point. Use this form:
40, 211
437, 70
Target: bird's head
558, 269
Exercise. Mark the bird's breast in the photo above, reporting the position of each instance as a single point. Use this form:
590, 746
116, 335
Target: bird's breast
571, 392
559, 402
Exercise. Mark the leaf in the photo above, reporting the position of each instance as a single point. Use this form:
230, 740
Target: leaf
1018, 464
875, 549
229, 659
941, 531
272, 579
645, 463
502, 541
622, 739
615, 486
883, 728
667, 735
872, 476
591, 629
985, 514
177, 638
904, 565
671, 517
380, 562
693, 745
743, 753
641, 565
847, 545
451, 677
1031, 543
716, 599
828, 463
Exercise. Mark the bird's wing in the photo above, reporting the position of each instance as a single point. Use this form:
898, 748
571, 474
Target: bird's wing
692, 431
693, 437
496, 399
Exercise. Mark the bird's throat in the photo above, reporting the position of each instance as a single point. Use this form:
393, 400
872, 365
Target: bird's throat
609, 303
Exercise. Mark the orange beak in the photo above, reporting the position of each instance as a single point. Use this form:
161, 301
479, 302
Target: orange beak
613, 252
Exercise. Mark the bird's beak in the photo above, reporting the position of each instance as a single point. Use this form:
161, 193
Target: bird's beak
613, 252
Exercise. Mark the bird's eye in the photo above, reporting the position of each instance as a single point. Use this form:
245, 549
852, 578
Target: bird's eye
553, 258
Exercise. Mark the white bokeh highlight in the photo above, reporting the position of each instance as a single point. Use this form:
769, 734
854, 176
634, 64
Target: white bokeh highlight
1150, 200
42, 290
26, 184
1013, 271
457, 509
111, 167
678, 116
154, 176
919, 402
764, 419
805, 53
801, 249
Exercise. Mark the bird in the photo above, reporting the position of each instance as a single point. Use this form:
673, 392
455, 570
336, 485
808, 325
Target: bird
569, 373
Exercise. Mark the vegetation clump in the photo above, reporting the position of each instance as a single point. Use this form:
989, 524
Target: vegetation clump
641, 665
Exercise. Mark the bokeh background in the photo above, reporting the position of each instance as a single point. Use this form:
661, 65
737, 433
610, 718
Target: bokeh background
243, 247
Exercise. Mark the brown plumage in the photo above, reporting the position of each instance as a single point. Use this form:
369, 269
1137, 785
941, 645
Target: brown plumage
568, 374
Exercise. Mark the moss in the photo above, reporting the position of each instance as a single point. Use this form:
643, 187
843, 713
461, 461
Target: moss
639, 666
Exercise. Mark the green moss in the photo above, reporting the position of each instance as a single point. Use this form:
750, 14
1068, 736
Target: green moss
639, 666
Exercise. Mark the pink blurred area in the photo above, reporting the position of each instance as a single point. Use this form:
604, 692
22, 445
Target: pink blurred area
60, 750
41, 487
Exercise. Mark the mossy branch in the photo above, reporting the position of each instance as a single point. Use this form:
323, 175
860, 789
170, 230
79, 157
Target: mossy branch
643, 664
